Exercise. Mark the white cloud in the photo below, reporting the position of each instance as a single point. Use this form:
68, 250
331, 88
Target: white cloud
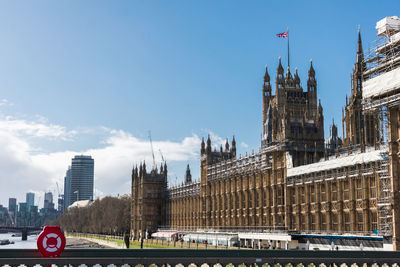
23, 170
34, 129
244, 145
5, 102
17, 169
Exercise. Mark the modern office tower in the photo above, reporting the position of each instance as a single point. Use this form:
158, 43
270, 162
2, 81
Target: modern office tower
60, 202
12, 205
82, 176
22, 218
12, 209
48, 201
30, 200
67, 188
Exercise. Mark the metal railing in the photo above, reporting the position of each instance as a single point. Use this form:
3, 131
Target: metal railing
165, 257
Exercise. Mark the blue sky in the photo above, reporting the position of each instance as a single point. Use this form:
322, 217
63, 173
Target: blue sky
89, 76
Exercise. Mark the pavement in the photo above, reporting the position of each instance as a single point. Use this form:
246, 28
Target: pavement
73, 242
86, 242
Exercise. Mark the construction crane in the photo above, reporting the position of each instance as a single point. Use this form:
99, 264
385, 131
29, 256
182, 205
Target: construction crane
152, 151
58, 190
162, 158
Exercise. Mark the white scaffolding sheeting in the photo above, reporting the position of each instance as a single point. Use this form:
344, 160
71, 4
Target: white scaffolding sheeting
387, 25
265, 236
371, 156
391, 40
382, 84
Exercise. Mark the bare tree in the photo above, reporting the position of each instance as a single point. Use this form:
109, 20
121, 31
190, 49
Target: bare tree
109, 215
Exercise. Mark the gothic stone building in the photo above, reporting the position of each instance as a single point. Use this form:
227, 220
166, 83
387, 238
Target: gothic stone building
149, 194
295, 181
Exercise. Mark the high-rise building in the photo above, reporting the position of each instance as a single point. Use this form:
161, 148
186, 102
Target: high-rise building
30, 200
48, 201
12, 209
82, 176
22, 217
12, 205
60, 202
67, 188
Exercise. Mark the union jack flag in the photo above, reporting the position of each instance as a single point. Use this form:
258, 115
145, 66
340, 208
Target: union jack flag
282, 35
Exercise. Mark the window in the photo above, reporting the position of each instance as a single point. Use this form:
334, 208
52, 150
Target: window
372, 189
323, 222
335, 222
359, 189
303, 222
303, 195
313, 221
270, 197
346, 217
279, 194
374, 220
267, 199
237, 201
293, 196
312, 189
346, 190
360, 222
323, 192
256, 198
334, 191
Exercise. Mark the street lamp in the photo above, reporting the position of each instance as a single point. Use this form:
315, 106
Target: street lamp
77, 197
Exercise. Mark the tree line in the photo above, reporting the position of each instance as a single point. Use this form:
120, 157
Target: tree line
109, 215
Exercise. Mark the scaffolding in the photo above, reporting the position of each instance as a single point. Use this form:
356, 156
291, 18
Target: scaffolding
255, 162
381, 86
381, 91
185, 190
384, 206
385, 223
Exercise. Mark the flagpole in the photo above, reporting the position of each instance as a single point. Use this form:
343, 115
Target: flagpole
288, 54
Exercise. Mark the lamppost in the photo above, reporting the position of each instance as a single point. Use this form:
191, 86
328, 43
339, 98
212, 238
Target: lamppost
77, 197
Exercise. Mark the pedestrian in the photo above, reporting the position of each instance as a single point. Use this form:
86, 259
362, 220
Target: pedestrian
126, 239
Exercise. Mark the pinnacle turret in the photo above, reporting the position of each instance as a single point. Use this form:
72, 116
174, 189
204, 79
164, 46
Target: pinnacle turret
208, 148
297, 79
311, 82
289, 79
188, 175
359, 65
311, 71
280, 80
280, 68
360, 53
233, 148
266, 76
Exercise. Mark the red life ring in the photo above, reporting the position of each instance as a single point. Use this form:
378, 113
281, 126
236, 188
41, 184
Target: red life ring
51, 241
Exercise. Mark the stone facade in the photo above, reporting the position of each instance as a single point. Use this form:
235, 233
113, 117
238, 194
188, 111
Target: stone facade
149, 194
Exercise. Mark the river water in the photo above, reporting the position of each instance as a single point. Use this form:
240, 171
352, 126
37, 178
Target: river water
18, 243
